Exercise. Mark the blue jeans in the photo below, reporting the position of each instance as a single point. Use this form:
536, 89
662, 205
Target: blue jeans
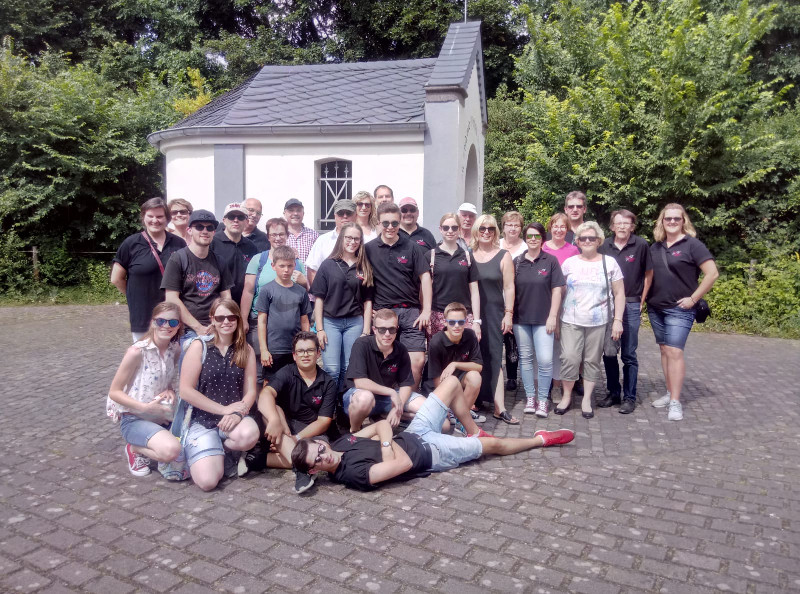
629, 342
671, 326
342, 333
530, 338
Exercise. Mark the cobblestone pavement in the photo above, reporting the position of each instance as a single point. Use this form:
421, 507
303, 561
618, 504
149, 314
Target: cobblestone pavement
636, 503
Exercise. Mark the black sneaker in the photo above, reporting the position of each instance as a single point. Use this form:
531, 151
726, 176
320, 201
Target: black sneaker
608, 401
256, 459
511, 385
627, 407
303, 481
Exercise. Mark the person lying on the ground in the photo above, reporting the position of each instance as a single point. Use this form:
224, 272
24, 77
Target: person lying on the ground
373, 455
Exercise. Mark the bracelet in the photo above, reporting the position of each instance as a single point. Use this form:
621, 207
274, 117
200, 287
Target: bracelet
618, 319
693, 299
511, 311
238, 414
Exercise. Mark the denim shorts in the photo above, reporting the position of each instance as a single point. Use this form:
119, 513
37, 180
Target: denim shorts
137, 431
671, 326
383, 404
447, 451
202, 442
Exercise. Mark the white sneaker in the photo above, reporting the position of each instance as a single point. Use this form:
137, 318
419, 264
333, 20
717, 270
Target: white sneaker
661, 402
675, 411
530, 405
542, 408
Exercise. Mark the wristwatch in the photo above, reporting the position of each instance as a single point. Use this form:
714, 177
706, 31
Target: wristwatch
386, 444
476, 322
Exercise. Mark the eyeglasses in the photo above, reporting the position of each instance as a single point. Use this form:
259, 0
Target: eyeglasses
203, 227
625, 224
164, 322
588, 238
574, 206
236, 217
392, 330
487, 229
230, 318
364, 204
452, 323
305, 351
673, 219
448, 228
533, 236
348, 239
408, 209
387, 224
179, 213
344, 213
277, 235
318, 459
253, 212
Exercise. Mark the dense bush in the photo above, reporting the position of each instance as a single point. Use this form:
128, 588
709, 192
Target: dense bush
16, 272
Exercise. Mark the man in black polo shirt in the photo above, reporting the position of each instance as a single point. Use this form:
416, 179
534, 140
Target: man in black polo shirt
379, 378
299, 402
233, 249
409, 213
399, 269
632, 253
374, 455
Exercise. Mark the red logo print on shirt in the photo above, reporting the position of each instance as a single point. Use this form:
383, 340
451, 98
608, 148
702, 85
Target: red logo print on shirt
393, 368
464, 356
360, 276
676, 253
543, 272
630, 258
463, 263
316, 399
420, 242
352, 439
402, 259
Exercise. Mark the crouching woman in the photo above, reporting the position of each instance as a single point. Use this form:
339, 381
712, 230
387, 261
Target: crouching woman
142, 394
221, 387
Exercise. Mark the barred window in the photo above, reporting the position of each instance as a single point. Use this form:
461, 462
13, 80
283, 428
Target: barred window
335, 183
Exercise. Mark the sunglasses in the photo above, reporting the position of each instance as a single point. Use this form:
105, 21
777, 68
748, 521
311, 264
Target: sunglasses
364, 204
203, 227
230, 318
588, 238
305, 351
456, 322
573, 206
408, 209
673, 219
236, 217
387, 224
487, 229
533, 236
448, 228
164, 322
344, 213
179, 213
320, 451
392, 330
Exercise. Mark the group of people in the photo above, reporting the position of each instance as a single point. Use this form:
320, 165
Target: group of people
408, 330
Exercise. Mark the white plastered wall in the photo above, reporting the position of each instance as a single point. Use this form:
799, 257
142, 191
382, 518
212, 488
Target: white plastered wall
190, 175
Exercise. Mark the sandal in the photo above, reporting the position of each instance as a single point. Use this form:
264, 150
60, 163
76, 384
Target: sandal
506, 418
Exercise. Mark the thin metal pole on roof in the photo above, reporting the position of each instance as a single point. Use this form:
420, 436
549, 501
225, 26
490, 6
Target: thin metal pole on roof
465, 11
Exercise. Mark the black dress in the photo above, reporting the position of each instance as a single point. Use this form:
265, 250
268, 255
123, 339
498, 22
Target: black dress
490, 287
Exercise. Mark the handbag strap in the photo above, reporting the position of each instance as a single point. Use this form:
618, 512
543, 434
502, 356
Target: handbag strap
154, 252
608, 289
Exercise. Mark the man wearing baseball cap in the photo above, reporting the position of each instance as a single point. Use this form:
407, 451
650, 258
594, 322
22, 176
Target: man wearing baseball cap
409, 213
344, 211
468, 213
232, 248
301, 238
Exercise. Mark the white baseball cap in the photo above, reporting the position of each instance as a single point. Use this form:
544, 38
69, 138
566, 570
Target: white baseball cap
468, 207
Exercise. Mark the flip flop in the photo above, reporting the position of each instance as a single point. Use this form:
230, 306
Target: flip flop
506, 418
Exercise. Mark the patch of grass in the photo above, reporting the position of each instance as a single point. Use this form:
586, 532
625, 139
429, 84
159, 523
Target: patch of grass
42, 294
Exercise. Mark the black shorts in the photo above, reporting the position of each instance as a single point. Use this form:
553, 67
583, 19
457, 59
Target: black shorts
410, 337
279, 361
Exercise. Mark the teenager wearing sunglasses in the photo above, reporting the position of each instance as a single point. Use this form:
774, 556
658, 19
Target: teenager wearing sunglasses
222, 389
193, 277
142, 395
233, 249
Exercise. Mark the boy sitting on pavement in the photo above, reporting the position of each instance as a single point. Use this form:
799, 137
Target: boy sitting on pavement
373, 455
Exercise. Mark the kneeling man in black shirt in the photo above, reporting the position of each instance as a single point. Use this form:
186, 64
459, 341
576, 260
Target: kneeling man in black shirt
372, 456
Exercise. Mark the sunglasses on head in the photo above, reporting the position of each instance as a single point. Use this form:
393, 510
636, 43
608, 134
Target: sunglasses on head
456, 322
229, 318
391, 330
165, 322
387, 224
201, 227
447, 228
236, 217
178, 213
588, 238
408, 209
487, 229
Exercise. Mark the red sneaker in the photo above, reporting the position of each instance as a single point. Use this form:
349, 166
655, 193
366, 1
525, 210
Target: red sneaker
558, 437
138, 465
481, 433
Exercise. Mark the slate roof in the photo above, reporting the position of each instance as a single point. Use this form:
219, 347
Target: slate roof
382, 93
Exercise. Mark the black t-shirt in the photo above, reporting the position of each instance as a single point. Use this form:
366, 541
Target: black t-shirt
451, 277
366, 361
341, 289
684, 257
396, 270
259, 239
236, 257
442, 351
301, 402
533, 286
360, 454
422, 237
634, 260
284, 306
219, 381
199, 284
143, 289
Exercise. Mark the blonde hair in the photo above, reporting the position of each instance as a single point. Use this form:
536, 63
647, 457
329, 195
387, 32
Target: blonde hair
450, 215
590, 225
513, 215
163, 307
373, 215
659, 234
486, 220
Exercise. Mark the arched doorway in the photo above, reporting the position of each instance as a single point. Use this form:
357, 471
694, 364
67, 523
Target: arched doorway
471, 178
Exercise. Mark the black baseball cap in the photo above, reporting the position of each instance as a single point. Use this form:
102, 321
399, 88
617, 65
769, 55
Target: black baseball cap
292, 202
203, 216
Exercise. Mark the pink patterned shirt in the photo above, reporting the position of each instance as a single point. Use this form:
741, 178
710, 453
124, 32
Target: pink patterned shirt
302, 242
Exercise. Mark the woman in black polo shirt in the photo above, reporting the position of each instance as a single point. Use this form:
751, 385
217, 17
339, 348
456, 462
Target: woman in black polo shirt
538, 285
343, 306
139, 264
678, 259
455, 278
